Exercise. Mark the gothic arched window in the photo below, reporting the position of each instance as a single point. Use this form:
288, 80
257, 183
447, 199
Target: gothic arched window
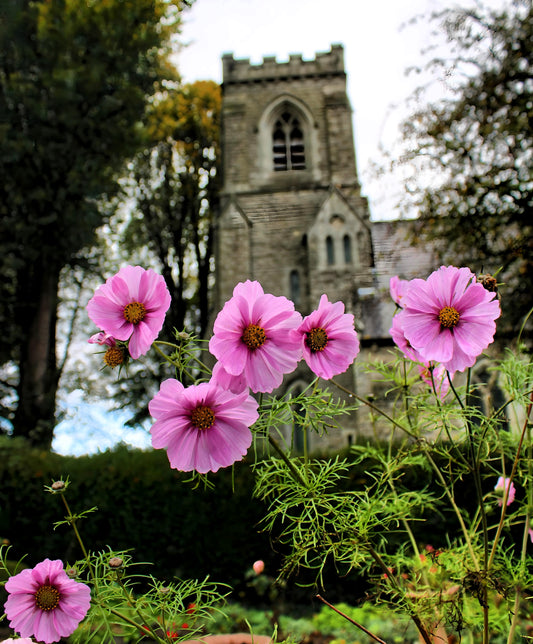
295, 287
330, 250
288, 148
347, 246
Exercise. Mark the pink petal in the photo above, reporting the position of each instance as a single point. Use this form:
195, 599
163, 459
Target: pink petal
261, 375
44, 628
23, 582
165, 400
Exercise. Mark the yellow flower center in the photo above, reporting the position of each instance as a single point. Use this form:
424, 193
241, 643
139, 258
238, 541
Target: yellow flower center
202, 417
317, 339
134, 312
113, 357
253, 336
448, 317
47, 598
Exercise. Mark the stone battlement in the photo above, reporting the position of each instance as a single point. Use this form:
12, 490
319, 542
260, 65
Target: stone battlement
240, 70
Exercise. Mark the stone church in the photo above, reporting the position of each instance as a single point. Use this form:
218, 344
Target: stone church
293, 215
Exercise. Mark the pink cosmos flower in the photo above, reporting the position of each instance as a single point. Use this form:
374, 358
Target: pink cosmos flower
252, 336
449, 317
397, 288
102, 338
131, 305
203, 427
45, 603
436, 375
501, 488
18, 640
329, 340
115, 354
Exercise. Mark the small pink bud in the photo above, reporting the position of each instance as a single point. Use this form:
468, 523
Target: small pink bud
258, 566
501, 488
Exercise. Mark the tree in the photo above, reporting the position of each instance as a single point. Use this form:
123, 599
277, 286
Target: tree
471, 153
175, 191
75, 80
172, 200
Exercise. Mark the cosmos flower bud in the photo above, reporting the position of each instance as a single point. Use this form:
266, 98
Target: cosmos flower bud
258, 566
116, 562
489, 282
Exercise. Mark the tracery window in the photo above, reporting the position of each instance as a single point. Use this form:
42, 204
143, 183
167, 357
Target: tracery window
288, 143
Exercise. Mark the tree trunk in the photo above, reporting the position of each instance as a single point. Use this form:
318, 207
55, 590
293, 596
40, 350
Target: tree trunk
38, 371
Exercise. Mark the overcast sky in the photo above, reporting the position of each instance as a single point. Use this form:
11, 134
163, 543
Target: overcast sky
377, 53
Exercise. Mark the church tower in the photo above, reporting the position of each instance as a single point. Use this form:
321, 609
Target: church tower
292, 215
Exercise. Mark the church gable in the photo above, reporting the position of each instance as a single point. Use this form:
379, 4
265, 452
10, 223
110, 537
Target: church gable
338, 237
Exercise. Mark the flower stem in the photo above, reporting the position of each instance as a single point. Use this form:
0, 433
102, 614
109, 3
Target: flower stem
131, 601
374, 408
525, 429
296, 475
417, 621
72, 522
352, 621
456, 509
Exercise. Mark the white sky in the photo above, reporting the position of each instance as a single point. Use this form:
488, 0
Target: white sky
377, 52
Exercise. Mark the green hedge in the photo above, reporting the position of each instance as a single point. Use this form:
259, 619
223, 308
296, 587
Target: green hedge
142, 504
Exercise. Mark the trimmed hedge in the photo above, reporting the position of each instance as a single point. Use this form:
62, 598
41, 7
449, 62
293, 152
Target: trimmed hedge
142, 504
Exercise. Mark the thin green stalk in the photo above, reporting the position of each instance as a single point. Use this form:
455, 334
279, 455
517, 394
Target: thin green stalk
305, 426
525, 536
417, 621
296, 475
443, 419
352, 621
201, 364
455, 508
479, 493
374, 408
168, 359
375, 555
499, 529
405, 389
129, 621
72, 522
132, 602
454, 390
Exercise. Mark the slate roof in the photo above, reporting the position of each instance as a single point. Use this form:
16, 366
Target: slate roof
393, 255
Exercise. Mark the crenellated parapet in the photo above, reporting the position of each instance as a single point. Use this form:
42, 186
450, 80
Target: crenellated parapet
325, 64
